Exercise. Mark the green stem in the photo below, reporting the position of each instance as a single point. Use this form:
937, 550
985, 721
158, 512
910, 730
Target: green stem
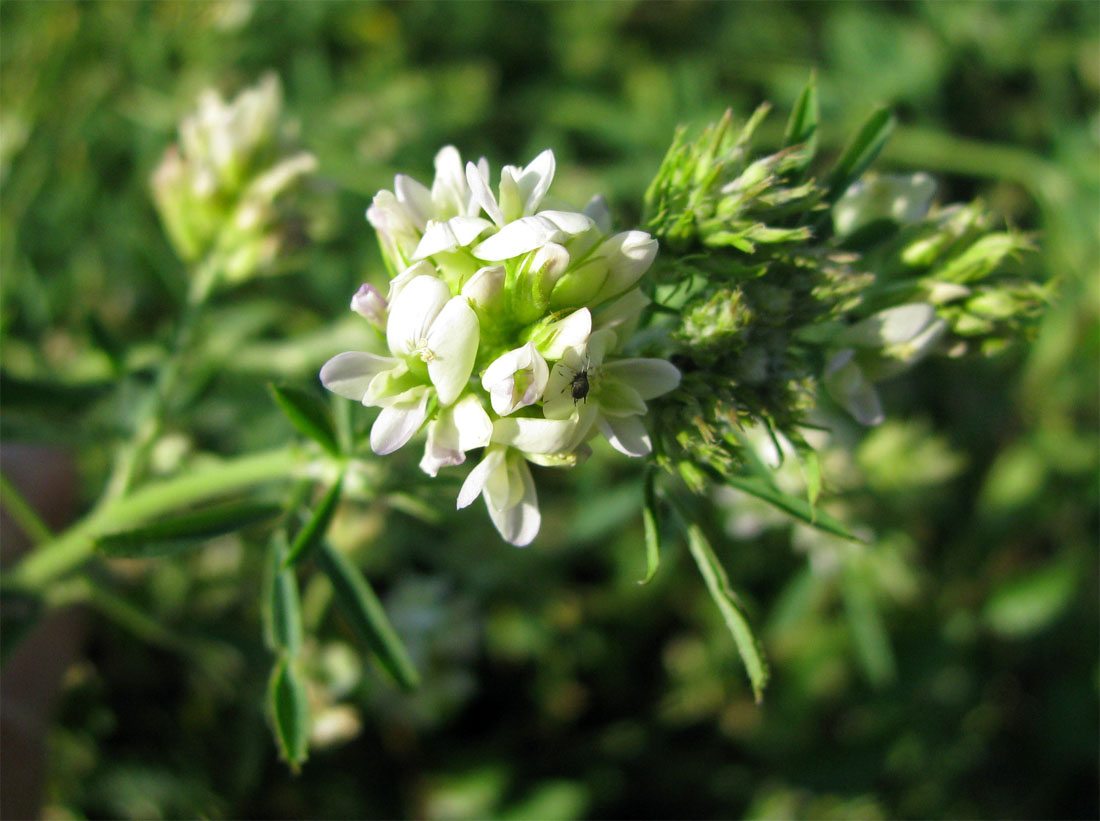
72, 548
132, 456
25, 516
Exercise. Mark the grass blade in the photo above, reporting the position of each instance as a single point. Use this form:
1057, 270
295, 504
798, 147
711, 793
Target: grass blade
860, 152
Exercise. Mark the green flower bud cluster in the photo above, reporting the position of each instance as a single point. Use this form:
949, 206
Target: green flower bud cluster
788, 287
225, 192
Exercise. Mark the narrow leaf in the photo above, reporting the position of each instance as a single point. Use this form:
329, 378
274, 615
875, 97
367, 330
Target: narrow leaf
860, 152
793, 505
652, 528
719, 588
308, 414
310, 536
184, 530
282, 609
872, 643
289, 706
811, 469
802, 129
362, 608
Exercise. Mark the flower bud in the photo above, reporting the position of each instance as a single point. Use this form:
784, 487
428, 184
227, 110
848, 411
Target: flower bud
369, 303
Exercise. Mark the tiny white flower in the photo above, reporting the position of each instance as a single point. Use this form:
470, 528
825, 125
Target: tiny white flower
504, 479
456, 429
613, 392
516, 379
847, 384
433, 339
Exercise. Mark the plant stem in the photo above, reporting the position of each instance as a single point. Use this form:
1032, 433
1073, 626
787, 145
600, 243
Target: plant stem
72, 548
25, 516
132, 455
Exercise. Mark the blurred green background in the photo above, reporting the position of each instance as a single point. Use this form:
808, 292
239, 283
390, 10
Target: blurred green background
950, 669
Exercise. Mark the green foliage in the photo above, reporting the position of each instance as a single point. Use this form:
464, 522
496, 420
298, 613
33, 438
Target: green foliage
553, 685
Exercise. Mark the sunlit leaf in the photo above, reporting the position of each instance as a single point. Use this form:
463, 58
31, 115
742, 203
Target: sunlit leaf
719, 588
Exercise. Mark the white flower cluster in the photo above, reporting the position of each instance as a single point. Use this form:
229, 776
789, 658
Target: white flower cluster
503, 320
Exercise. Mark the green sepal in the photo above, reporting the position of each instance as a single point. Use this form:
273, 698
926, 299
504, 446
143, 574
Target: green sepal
802, 128
308, 414
309, 537
364, 611
185, 530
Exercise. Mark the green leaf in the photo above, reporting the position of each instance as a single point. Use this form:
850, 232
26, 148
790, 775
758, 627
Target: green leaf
719, 588
792, 505
1027, 603
185, 530
310, 536
652, 528
802, 127
811, 469
872, 642
289, 706
308, 414
282, 609
860, 152
364, 611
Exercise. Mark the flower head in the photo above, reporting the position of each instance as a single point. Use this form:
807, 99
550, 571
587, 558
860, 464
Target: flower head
502, 322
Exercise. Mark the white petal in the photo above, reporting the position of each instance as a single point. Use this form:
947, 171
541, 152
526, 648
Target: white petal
617, 398
415, 270
622, 311
571, 222
626, 434
649, 377
413, 311
599, 213
629, 255
452, 341
450, 193
467, 229
397, 424
890, 327
479, 188
568, 332
519, 524
482, 288
415, 197
441, 450
479, 477
437, 238
474, 426
535, 435
535, 181
600, 343
369, 303
518, 237
349, 374
846, 383
516, 379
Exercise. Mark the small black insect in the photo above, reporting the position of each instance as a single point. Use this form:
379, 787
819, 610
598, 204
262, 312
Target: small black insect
579, 386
